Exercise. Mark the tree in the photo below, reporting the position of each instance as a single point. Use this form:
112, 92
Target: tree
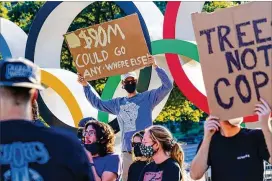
23, 13
4, 10
211, 6
178, 108
161, 5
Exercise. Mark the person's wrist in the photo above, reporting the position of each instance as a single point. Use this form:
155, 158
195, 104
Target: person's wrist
207, 137
91, 164
265, 124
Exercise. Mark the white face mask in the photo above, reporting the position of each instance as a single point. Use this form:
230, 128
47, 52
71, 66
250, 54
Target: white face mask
236, 121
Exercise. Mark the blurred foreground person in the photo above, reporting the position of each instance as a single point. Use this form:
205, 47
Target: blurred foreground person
232, 152
29, 152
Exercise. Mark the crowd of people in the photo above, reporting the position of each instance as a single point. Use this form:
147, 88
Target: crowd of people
30, 151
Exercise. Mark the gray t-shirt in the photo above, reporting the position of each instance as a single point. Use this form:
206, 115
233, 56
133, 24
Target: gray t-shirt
111, 163
135, 113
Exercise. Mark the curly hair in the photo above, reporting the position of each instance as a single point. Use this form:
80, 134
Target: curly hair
104, 135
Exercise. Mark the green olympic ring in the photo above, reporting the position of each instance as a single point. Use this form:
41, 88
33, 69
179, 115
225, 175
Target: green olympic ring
181, 47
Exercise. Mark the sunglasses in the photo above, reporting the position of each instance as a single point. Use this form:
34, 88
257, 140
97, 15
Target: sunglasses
134, 144
129, 81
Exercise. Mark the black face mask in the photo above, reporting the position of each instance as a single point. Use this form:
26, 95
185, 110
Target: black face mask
92, 148
137, 150
131, 87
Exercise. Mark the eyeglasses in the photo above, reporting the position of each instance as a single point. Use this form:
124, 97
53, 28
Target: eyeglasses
133, 144
88, 133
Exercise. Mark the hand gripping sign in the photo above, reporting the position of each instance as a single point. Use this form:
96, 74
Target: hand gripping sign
108, 49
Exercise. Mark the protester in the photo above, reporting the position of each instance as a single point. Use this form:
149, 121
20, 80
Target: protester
134, 112
81, 128
167, 154
82, 123
139, 161
99, 141
232, 152
29, 152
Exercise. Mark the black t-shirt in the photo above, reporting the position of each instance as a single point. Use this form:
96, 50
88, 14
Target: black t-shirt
32, 153
135, 170
238, 158
169, 170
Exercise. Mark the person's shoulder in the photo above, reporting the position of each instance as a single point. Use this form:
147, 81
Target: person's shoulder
171, 163
251, 132
134, 164
150, 165
113, 157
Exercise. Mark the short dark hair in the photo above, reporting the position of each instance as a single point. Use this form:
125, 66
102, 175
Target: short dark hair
83, 121
138, 134
104, 135
20, 95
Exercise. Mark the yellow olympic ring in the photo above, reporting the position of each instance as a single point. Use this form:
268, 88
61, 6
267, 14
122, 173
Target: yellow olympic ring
61, 89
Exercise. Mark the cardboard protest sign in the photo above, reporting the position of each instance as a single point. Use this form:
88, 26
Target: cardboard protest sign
235, 50
110, 48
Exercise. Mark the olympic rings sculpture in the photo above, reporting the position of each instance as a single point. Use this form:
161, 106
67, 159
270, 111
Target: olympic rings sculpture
171, 34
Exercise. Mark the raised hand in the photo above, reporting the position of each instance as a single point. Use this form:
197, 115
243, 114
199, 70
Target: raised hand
81, 80
263, 111
211, 126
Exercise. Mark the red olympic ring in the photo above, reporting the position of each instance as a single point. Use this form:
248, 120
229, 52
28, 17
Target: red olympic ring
180, 77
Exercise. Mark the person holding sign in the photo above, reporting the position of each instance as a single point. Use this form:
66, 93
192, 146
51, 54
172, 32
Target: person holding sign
232, 152
134, 112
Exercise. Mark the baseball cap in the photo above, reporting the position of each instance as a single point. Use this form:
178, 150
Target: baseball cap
129, 74
20, 72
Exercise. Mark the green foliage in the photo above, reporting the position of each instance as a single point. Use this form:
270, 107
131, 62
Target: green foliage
211, 6
1, 57
178, 108
23, 13
4, 9
161, 5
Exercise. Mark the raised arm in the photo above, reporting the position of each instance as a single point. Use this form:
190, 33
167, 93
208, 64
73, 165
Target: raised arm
109, 106
157, 95
263, 111
200, 163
